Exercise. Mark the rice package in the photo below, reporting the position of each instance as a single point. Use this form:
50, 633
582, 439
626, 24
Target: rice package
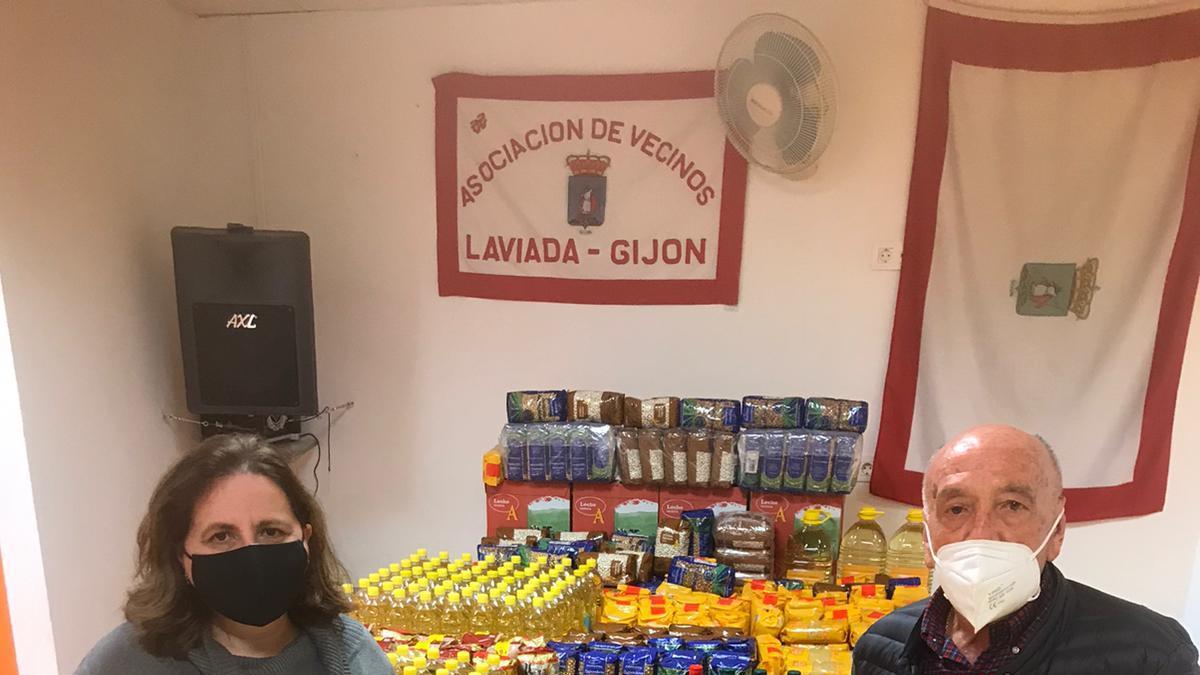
847, 449
820, 462
674, 538
525, 407
651, 456
675, 457
835, 414
538, 452
701, 575
795, 450
763, 412
558, 461
701, 522
772, 461
606, 407
699, 458
751, 448
602, 449
745, 530
629, 458
513, 441
656, 413
724, 460
714, 414
579, 467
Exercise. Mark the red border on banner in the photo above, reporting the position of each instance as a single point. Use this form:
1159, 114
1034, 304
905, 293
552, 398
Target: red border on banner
722, 290
953, 38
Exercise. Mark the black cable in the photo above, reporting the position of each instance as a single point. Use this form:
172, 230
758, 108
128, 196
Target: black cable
316, 479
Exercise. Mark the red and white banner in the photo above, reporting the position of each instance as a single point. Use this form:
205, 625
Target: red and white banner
1052, 250
601, 189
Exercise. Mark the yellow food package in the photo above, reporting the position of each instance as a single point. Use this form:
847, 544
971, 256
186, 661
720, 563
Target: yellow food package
856, 631
770, 654
656, 611
757, 587
767, 616
670, 590
881, 605
696, 598
906, 595
868, 592
837, 597
796, 659
619, 609
821, 631
731, 613
694, 614
636, 591
799, 609
842, 613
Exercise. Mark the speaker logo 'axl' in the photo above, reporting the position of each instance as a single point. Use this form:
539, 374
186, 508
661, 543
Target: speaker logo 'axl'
248, 321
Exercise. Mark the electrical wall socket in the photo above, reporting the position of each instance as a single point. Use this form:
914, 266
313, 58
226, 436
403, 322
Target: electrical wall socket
886, 256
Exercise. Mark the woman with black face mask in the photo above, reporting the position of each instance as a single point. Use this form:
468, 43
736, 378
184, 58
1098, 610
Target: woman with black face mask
235, 575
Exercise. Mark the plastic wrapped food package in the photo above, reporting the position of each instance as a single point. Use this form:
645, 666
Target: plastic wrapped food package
701, 523
724, 662
675, 465
744, 530
656, 611
614, 568
513, 440
847, 449
693, 614
724, 461
629, 458
820, 461
751, 446
795, 470
607, 407
579, 467
657, 413
536, 406
763, 412
559, 453
673, 538
835, 414
679, 662
732, 613
602, 446
597, 662
638, 661
538, 452
701, 575
821, 631
741, 560
651, 455
772, 462
699, 458
714, 414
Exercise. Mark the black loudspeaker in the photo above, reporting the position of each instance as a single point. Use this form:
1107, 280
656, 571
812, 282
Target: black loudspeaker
246, 321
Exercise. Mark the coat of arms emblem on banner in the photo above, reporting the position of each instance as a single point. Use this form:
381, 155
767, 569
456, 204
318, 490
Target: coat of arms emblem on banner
587, 190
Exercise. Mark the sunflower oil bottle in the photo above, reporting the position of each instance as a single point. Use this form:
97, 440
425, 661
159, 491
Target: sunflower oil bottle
404, 657
370, 611
423, 614
810, 552
456, 622
906, 550
508, 620
864, 549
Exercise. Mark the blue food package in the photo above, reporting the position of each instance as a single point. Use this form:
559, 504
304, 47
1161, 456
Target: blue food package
567, 548
537, 452
559, 459
526, 407
501, 552
835, 414
666, 644
599, 661
772, 462
714, 414
580, 467
727, 662
701, 575
706, 646
701, 522
820, 462
568, 656
638, 661
763, 412
745, 645
679, 661
847, 447
751, 447
605, 647
513, 438
795, 463
602, 445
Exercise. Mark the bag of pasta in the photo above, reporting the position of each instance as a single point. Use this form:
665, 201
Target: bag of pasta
767, 615
770, 654
693, 614
655, 611
821, 631
731, 613
619, 609
799, 609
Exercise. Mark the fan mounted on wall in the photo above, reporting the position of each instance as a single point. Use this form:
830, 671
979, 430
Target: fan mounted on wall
776, 93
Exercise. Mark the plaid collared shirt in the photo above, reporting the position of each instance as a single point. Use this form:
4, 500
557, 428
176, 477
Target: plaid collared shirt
1007, 636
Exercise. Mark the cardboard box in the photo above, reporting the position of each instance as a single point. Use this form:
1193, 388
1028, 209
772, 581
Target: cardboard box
536, 505
608, 507
786, 511
677, 500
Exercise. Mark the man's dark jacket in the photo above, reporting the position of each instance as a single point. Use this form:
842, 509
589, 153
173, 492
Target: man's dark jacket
1086, 633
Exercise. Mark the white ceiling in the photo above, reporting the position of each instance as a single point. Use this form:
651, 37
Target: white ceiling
220, 7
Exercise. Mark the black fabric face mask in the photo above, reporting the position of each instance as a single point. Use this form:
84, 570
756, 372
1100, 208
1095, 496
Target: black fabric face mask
253, 585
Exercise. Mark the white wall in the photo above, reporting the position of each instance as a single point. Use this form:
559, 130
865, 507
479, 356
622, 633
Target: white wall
343, 123
117, 124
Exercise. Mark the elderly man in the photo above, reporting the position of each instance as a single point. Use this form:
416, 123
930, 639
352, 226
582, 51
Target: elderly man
993, 501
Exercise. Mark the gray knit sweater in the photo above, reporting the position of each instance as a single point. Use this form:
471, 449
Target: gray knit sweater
346, 648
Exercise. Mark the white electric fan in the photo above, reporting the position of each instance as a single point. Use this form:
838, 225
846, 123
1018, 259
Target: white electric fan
776, 93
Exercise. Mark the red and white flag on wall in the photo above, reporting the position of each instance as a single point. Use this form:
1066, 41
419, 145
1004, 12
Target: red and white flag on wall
1052, 249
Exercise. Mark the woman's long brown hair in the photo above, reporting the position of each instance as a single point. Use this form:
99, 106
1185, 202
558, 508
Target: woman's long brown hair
168, 615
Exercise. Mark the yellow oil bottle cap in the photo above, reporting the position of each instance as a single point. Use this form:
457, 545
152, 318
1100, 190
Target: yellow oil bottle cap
397, 580
521, 595
420, 663
481, 598
394, 568
916, 516
421, 553
410, 670
510, 601
494, 593
433, 654
442, 671
373, 578
813, 516
538, 603
489, 558
347, 588
402, 650
480, 669
373, 592
466, 557
494, 659
393, 659
398, 594
515, 559
388, 586
426, 596
869, 513
406, 563
454, 597
413, 589
364, 582
462, 656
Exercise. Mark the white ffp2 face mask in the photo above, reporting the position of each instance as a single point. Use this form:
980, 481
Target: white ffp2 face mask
985, 580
